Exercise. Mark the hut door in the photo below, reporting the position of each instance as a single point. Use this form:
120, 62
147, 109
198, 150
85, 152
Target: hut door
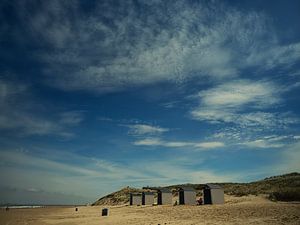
181, 197
207, 196
159, 198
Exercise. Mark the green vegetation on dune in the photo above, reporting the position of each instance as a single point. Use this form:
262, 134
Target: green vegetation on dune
288, 183
117, 198
120, 197
278, 188
287, 194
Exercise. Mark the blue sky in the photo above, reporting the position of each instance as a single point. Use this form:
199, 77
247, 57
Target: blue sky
98, 95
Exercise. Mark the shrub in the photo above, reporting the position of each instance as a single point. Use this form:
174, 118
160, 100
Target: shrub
285, 195
239, 193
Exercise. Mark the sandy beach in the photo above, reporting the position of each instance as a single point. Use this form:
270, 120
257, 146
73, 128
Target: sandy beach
237, 210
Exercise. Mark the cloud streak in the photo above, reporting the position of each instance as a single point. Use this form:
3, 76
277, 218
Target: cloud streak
178, 144
144, 129
260, 143
83, 176
170, 42
243, 102
18, 117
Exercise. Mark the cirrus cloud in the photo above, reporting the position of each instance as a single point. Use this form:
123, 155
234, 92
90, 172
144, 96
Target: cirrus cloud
144, 129
171, 42
243, 102
178, 144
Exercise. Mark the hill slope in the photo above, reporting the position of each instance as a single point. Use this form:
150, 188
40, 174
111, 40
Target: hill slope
117, 198
284, 187
120, 197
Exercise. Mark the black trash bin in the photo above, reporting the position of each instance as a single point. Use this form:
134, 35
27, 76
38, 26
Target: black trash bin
105, 212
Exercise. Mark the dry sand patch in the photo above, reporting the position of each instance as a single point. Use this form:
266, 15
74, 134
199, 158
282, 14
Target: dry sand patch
237, 210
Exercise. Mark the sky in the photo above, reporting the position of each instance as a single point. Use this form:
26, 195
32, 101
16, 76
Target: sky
100, 95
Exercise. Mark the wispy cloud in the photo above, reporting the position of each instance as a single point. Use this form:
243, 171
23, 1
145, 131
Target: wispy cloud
144, 129
18, 117
177, 174
288, 161
278, 56
243, 102
261, 143
239, 93
103, 118
26, 124
8, 89
271, 141
178, 144
71, 118
209, 145
75, 175
148, 142
169, 43
169, 105
225, 101
93, 177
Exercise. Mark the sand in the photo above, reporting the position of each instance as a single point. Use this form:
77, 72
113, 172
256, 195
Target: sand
237, 210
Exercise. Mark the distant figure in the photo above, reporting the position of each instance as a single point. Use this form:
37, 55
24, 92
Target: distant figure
6, 209
200, 201
76, 209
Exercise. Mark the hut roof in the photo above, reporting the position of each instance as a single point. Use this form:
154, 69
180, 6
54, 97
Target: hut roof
164, 190
187, 189
213, 186
135, 194
148, 193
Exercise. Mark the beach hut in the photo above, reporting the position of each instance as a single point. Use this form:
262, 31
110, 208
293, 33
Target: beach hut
164, 196
135, 199
147, 198
187, 196
213, 194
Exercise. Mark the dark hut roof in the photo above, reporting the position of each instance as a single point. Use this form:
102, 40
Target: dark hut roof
187, 189
135, 194
164, 190
212, 186
148, 193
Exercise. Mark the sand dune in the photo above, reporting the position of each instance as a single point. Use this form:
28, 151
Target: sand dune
237, 210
